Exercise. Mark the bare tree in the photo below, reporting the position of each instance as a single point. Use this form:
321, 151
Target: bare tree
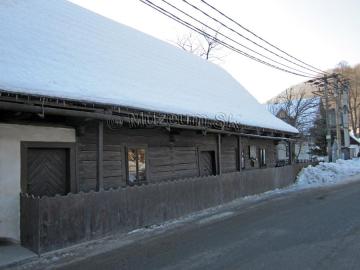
202, 45
353, 73
298, 109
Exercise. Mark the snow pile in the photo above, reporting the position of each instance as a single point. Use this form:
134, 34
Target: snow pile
57, 49
328, 173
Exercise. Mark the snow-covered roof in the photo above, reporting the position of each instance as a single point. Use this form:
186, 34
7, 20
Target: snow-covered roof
55, 48
352, 135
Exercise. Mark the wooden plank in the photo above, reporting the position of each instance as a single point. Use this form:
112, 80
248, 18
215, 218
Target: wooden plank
185, 149
111, 155
89, 184
87, 170
185, 166
112, 173
87, 146
87, 155
156, 164
117, 163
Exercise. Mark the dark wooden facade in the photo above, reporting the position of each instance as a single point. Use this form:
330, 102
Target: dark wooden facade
173, 149
169, 156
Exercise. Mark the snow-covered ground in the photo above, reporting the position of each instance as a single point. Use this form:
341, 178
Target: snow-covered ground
327, 173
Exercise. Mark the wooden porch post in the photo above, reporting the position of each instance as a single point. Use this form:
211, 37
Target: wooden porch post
290, 153
219, 153
239, 146
100, 157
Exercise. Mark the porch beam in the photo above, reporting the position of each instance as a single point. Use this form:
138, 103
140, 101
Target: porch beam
106, 116
239, 147
290, 153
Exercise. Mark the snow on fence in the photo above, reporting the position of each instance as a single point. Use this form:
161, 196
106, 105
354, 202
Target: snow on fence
50, 223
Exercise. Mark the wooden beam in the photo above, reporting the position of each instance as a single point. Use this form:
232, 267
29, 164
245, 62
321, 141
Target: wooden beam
290, 153
11, 106
239, 147
219, 153
100, 157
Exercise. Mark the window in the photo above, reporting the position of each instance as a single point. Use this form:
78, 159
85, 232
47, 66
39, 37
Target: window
136, 166
252, 151
262, 157
252, 155
242, 161
287, 150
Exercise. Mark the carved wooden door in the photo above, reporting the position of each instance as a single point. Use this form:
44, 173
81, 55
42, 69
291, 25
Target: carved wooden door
47, 171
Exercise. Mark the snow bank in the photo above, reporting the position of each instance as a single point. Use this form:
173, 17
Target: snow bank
328, 173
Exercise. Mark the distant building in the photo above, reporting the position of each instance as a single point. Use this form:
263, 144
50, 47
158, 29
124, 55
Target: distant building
354, 146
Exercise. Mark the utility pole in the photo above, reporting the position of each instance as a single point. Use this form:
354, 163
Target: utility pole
337, 95
328, 129
345, 107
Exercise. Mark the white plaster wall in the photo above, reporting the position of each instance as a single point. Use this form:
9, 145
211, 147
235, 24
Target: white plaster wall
304, 151
10, 138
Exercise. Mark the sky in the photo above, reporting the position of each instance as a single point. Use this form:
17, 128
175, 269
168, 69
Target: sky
319, 32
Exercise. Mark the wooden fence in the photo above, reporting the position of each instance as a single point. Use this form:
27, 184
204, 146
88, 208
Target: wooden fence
50, 223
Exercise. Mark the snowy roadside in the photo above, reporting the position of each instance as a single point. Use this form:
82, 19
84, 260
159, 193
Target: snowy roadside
327, 173
322, 175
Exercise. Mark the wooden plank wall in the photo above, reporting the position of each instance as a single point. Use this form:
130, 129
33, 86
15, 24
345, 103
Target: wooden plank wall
169, 157
268, 145
229, 154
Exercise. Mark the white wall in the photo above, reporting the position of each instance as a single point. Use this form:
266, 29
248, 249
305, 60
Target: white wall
10, 138
304, 151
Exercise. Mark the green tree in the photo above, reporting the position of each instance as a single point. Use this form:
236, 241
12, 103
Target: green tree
318, 133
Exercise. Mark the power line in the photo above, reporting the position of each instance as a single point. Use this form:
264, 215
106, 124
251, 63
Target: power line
202, 32
248, 39
249, 31
231, 39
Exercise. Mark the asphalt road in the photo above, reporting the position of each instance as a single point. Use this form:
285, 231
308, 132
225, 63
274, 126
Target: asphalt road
311, 230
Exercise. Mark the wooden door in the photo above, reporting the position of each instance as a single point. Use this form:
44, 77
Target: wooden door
47, 171
207, 163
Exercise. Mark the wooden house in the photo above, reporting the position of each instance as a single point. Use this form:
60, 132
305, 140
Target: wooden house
88, 105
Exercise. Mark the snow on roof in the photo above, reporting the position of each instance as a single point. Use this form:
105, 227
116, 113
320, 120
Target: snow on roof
352, 135
55, 48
